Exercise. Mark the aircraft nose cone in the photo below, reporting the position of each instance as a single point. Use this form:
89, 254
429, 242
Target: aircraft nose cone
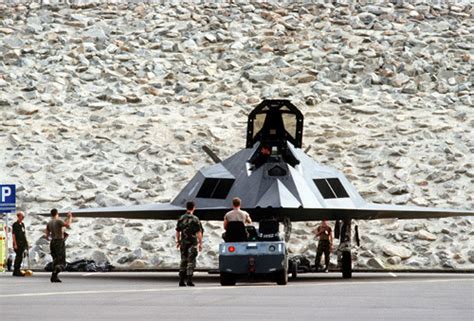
277, 195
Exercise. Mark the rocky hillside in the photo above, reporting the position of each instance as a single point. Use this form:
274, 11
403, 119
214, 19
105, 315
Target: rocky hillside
109, 104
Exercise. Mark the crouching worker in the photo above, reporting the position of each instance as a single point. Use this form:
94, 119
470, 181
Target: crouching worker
189, 240
55, 231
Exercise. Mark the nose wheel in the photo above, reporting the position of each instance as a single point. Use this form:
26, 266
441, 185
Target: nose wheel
346, 265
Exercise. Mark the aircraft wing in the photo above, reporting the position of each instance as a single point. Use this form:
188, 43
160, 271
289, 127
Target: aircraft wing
163, 211
367, 212
380, 211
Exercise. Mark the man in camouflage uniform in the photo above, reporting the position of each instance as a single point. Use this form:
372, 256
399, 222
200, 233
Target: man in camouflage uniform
55, 230
189, 240
324, 233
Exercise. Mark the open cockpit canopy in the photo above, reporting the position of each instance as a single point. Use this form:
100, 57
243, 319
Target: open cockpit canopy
273, 123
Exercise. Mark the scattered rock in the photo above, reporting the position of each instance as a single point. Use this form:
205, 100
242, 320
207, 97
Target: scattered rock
470, 255
27, 109
116, 99
31, 167
376, 263
100, 257
147, 246
121, 240
412, 227
105, 200
364, 109
83, 183
399, 189
394, 260
133, 224
394, 250
184, 161
425, 235
138, 265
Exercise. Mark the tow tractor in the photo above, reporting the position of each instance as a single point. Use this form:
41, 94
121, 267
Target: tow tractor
251, 254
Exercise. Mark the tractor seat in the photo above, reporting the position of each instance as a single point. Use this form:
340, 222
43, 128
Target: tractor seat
235, 232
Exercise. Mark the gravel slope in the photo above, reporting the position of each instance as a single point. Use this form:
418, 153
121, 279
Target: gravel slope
110, 104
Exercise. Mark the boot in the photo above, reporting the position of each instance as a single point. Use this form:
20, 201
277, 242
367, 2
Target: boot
54, 278
181, 279
190, 281
17, 273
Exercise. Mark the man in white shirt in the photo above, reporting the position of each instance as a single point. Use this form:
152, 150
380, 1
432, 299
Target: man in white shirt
237, 214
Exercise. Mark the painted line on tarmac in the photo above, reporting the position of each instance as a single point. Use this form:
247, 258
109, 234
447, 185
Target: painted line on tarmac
103, 292
242, 287
392, 274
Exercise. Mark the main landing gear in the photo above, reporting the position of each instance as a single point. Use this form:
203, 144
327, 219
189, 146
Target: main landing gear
344, 248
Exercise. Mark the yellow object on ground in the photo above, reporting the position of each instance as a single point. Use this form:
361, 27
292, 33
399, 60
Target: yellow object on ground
27, 272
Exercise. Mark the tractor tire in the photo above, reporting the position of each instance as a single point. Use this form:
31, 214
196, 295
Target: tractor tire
227, 279
282, 277
294, 270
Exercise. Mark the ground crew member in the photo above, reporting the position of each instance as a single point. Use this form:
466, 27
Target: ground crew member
189, 240
55, 229
236, 214
324, 233
20, 244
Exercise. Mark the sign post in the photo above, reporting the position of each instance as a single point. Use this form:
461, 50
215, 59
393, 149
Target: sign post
7, 205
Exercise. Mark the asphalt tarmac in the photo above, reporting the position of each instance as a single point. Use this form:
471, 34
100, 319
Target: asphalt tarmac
156, 296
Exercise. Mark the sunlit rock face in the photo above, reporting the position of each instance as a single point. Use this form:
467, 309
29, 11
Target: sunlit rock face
109, 104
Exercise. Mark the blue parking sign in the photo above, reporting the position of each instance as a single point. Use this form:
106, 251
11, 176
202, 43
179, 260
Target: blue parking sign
7, 198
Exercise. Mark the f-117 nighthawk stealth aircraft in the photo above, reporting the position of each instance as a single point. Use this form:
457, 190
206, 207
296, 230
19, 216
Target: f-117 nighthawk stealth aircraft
275, 179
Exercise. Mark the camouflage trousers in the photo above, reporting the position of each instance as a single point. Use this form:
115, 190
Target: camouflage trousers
323, 247
188, 259
58, 252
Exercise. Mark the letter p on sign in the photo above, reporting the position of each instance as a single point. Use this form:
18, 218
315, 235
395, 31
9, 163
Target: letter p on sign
6, 192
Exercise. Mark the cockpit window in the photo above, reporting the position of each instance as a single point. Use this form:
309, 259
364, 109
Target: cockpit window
289, 121
258, 123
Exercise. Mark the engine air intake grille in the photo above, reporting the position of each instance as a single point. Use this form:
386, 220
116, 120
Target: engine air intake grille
215, 188
330, 188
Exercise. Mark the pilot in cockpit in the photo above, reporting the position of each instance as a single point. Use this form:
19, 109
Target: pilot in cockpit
262, 156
